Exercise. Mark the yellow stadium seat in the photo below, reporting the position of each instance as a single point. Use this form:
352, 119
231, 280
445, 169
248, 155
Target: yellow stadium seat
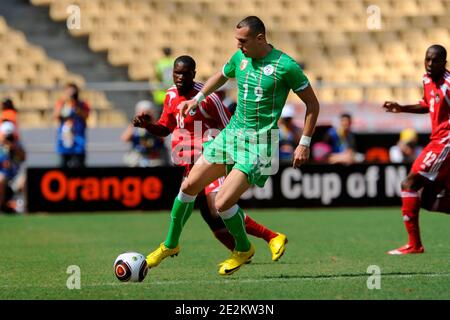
405, 7
327, 95
36, 99
31, 119
349, 94
42, 2
380, 94
422, 22
431, 7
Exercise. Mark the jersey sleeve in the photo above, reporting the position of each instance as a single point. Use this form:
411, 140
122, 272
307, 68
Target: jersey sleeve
167, 118
216, 110
295, 78
229, 69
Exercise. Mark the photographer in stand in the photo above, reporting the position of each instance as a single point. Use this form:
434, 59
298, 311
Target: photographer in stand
12, 178
72, 114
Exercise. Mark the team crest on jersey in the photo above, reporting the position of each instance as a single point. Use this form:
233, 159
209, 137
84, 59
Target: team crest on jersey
192, 112
243, 64
268, 70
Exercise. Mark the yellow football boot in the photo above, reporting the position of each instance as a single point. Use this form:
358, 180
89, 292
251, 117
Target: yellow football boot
155, 258
278, 245
236, 260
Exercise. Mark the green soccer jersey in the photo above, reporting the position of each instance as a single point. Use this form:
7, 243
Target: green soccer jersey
263, 87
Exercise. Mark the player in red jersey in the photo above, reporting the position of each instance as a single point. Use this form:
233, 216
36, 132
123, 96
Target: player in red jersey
188, 134
430, 172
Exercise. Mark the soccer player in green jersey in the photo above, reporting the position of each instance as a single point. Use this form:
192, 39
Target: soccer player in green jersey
244, 149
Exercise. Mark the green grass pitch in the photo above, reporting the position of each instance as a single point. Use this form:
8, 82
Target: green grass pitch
327, 257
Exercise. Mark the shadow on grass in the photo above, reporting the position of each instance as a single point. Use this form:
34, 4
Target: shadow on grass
357, 275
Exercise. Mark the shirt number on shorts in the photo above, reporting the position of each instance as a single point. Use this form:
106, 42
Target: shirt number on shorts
429, 158
258, 92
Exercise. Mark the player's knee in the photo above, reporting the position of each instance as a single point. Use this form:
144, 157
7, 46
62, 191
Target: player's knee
188, 187
222, 204
408, 183
405, 184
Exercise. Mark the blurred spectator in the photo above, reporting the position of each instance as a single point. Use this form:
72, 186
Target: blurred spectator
147, 150
12, 178
289, 133
342, 142
406, 150
163, 71
9, 112
72, 114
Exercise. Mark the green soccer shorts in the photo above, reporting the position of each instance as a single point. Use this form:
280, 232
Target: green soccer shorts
246, 151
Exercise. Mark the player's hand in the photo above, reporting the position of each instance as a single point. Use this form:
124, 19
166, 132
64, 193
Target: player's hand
301, 155
186, 106
391, 106
141, 120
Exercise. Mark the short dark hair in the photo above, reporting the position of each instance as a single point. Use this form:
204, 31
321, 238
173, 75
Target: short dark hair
167, 51
254, 23
346, 115
8, 104
440, 49
187, 60
72, 85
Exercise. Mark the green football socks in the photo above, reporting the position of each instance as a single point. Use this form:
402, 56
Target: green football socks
236, 226
181, 211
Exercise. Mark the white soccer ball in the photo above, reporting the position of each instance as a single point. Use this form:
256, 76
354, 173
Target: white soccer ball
130, 266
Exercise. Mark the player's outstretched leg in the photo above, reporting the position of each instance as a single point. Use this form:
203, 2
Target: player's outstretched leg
201, 175
215, 223
244, 250
234, 186
276, 241
410, 213
181, 211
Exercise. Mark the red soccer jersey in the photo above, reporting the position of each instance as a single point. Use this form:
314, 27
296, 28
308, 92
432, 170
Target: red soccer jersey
436, 97
189, 133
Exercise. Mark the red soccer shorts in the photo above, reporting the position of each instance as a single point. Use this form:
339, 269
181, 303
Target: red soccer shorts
212, 187
434, 162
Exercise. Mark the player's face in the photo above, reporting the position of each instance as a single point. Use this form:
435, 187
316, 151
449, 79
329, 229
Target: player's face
346, 123
183, 77
247, 42
434, 63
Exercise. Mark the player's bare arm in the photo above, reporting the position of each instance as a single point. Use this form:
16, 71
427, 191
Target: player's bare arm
394, 107
145, 121
301, 154
213, 83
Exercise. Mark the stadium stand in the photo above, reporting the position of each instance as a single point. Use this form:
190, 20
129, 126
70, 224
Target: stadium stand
132, 33
29, 77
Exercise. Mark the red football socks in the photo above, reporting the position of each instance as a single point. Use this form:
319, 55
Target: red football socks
258, 230
225, 237
410, 211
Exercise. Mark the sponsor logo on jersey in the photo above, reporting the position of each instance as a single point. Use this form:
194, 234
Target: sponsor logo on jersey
268, 70
243, 64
